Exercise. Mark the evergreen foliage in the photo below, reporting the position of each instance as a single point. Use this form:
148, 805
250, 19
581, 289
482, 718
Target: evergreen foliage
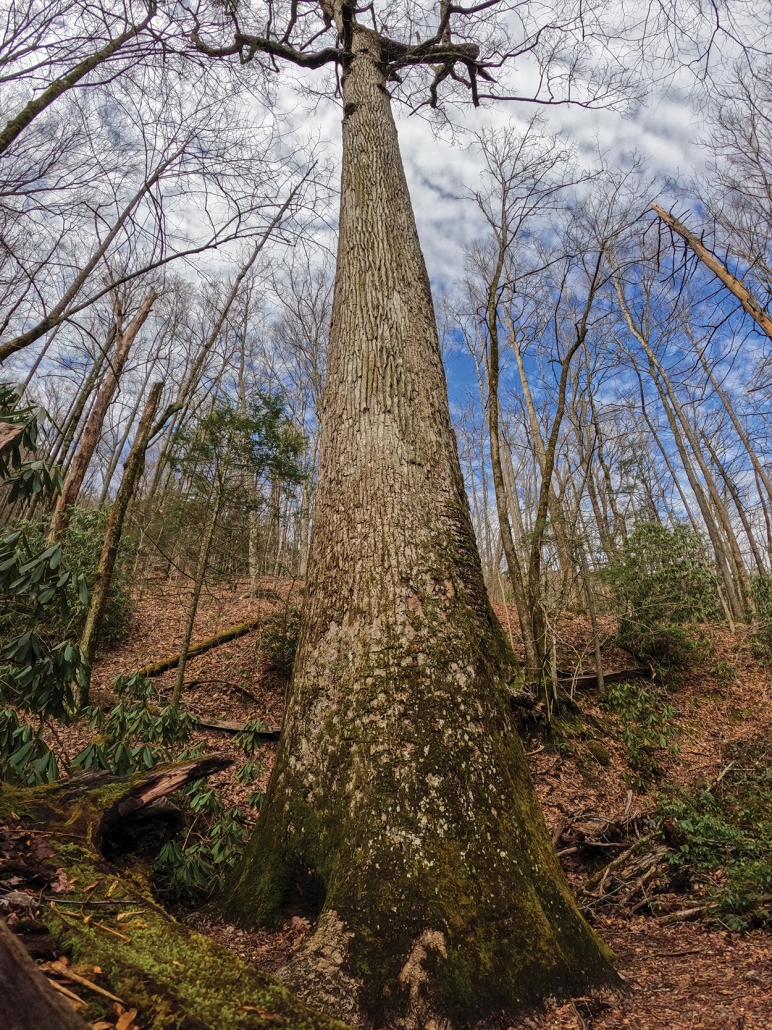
37, 668
723, 833
662, 583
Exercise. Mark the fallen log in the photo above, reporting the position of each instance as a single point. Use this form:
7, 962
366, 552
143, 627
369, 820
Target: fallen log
238, 727
31, 1002
589, 680
173, 976
141, 811
241, 630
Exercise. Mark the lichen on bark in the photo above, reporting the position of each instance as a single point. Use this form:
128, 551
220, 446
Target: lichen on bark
400, 816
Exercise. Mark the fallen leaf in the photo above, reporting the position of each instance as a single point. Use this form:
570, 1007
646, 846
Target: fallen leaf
60, 884
111, 888
125, 1021
127, 915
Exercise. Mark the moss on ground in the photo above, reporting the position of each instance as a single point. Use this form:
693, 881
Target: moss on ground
176, 978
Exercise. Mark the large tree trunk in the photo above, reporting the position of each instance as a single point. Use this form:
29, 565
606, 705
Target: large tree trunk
400, 816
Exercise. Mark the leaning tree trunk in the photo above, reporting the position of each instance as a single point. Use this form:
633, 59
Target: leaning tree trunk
400, 816
80, 463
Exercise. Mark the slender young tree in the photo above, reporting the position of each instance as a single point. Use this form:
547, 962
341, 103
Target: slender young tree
112, 541
124, 337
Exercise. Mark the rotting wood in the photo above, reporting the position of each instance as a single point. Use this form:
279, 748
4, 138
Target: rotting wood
35, 1001
141, 800
241, 630
170, 974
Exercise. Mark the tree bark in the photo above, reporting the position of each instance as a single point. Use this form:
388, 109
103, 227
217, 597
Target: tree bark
524, 612
400, 815
32, 1003
93, 430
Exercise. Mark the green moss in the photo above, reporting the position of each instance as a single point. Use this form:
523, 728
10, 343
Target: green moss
482, 872
598, 752
166, 971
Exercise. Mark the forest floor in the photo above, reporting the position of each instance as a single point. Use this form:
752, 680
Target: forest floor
681, 973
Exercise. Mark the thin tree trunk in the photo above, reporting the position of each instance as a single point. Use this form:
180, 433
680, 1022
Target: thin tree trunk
739, 507
198, 583
680, 427
548, 467
758, 468
62, 310
524, 612
135, 463
82, 459
70, 425
555, 504
305, 513
400, 816
67, 82
121, 443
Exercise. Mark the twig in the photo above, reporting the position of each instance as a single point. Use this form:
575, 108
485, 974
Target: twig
601, 875
68, 994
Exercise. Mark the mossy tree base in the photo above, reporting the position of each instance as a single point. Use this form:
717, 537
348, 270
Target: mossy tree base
176, 978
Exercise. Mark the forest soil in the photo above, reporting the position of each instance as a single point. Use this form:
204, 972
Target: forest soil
681, 976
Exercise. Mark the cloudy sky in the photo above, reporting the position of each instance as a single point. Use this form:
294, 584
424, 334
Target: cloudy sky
440, 172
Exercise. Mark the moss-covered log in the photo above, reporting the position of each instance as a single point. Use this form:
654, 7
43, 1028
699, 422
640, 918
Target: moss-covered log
176, 978
401, 817
241, 630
